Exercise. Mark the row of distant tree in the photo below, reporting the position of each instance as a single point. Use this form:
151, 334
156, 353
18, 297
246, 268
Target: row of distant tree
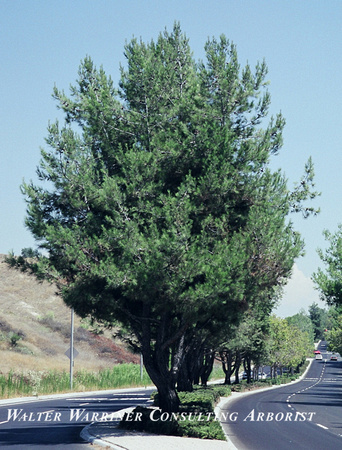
329, 283
272, 341
286, 342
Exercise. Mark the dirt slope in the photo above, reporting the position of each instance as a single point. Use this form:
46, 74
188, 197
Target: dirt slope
33, 311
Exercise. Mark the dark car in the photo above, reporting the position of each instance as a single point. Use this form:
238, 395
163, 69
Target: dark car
244, 375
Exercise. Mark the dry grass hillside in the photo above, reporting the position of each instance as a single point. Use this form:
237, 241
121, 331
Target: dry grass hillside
32, 311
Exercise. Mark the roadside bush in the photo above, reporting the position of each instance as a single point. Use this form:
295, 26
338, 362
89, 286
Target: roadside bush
197, 401
14, 339
203, 399
149, 420
195, 419
207, 429
188, 424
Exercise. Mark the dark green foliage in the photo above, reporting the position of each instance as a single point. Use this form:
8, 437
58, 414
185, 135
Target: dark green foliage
329, 281
210, 429
202, 399
14, 339
8, 333
159, 211
319, 319
193, 401
28, 261
183, 424
29, 253
333, 330
195, 418
140, 420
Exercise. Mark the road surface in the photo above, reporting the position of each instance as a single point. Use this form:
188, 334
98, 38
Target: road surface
303, 416
59, 421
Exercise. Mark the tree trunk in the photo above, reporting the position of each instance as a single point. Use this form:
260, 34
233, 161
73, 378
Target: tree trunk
226, 357
168, 398
161, 366
207, 366
237, 367
164, 381
196, 369
247, 364
184, 380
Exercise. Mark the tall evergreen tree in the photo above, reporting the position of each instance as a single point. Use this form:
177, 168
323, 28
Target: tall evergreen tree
329, 281
319, 320
159, 211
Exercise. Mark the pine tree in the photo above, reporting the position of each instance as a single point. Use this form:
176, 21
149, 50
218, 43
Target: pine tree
158, 210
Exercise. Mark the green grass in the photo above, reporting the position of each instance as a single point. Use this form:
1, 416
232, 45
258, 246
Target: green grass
217, 373
39, 383
120, 376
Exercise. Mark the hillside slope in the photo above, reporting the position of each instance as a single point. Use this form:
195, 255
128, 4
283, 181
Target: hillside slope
33, 311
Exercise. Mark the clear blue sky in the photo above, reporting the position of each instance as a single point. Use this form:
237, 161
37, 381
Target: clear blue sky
43, 42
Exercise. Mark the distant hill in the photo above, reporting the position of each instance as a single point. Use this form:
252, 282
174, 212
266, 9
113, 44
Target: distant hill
32, 311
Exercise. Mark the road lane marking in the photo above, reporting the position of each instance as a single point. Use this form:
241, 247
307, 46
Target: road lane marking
322, 426
315, 381
121, 398
87, 398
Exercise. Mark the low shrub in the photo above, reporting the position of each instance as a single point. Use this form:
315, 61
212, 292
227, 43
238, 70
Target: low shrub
150, 420
203, 398
197, 401
190, 424
195, 418
206, 429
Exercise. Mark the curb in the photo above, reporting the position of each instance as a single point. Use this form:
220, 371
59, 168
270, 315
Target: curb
98, 440
11, 401
233, 395
92, 437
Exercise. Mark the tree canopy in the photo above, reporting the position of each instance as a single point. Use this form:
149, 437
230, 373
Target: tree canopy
333, 332
288, 345
329, 282
157, 209
304, 323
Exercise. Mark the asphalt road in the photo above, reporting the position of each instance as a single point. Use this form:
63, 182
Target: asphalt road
58, 422
303, 416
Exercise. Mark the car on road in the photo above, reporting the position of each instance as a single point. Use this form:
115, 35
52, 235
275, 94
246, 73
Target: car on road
317, 352
244, 375
333, 358
262, 376
319, 356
